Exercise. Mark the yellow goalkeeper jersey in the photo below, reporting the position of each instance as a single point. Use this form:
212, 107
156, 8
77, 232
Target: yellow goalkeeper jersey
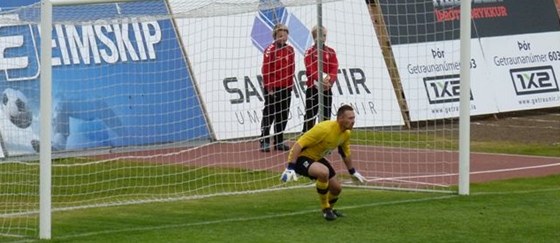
322, 139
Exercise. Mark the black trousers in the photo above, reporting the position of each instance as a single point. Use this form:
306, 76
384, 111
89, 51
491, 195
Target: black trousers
312, 106
276, 110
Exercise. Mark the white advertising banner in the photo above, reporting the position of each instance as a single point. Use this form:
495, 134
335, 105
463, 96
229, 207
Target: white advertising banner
526, 70
430, 80
225, 54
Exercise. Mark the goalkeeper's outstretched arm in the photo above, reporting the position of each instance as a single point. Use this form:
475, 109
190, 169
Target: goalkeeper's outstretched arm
352, 171
294, 153
289, 173
348, 162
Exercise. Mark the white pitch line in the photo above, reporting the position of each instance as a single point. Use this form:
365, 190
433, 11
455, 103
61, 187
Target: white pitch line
406, 181
454, 174
515, 169
515, 126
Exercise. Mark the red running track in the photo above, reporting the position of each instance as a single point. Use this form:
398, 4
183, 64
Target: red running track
425, 166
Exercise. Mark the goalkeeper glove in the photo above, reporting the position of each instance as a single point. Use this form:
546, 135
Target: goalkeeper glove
357, 175
289, 174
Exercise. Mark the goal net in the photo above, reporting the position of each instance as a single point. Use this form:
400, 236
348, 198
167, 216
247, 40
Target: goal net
163, 100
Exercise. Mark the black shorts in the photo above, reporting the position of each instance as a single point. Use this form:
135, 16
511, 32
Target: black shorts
303, 163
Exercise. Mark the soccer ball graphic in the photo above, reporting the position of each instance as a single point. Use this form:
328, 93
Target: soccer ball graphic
15, 108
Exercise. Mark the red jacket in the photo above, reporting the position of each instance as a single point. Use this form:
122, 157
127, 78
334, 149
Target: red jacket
278, 66
330, 64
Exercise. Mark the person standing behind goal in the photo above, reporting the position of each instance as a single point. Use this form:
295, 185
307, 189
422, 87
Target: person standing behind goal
278, 78
330, 69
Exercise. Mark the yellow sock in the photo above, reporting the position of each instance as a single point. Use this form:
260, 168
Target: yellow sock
332, 198
322, 190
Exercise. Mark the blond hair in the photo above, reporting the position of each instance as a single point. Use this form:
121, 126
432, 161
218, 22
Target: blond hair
279, 27
315, 29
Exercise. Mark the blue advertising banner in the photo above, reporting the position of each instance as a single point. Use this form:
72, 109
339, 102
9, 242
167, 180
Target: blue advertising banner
119, 82
7, 5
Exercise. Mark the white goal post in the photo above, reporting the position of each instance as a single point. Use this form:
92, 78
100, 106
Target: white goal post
45, 154
465, 110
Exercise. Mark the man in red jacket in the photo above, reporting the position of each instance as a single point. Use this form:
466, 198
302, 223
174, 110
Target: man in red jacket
278, 78
330, 69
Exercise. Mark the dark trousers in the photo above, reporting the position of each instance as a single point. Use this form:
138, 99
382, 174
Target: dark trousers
276, 110
312, 106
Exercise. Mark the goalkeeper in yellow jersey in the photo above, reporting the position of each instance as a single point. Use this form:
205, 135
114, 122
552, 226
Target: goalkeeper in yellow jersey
307, 158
